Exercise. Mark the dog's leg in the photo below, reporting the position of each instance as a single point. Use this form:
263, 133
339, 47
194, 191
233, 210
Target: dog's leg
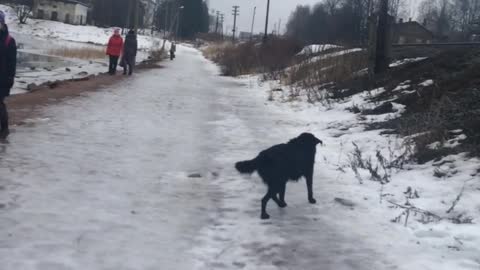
281, 194
309, 178
280, 203
265, 200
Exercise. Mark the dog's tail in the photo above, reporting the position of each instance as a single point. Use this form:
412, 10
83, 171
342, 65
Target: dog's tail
248, 166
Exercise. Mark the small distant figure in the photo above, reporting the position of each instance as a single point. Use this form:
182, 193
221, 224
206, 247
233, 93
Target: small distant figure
114, 49
8, 66
129, 53
173, 49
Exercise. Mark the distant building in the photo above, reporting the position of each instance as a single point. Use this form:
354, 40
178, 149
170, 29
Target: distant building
411, 32
67, 11
244, 35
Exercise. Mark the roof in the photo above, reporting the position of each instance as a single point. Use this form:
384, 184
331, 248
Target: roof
74, 2
413, 24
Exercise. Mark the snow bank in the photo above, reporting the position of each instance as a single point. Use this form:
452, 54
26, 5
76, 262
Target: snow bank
318, 48
77, 33
406, 61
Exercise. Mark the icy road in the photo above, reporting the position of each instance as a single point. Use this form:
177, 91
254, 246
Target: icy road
140, 176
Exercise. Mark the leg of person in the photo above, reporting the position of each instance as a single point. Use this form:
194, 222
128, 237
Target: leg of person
110, 66
115, 64
4, 130
132, 65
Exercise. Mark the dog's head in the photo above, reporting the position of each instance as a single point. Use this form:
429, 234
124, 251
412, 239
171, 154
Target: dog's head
308, 139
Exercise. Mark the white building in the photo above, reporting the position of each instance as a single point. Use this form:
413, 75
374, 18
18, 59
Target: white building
67, 11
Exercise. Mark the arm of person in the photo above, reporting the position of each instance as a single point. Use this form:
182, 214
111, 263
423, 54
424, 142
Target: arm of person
136, 47
109, 44
11, 62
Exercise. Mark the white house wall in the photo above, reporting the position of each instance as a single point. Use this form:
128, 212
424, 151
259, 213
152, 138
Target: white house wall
76, 12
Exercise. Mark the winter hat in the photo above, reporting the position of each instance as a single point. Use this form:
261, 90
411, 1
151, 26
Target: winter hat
2, 17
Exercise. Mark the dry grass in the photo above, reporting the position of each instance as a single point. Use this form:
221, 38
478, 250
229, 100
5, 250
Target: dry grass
86, 53
331, 69
252, 57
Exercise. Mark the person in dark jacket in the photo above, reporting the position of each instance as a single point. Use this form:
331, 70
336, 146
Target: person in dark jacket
114, 49
173, 49
129, 52
8, 65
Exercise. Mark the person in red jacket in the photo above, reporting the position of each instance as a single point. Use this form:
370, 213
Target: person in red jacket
114, 49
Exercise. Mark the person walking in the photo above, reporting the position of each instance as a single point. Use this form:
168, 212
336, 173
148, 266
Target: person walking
173, 49
114, 49
129, 53
8, 66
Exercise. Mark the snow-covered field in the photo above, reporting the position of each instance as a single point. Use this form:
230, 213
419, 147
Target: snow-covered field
38, 37
77, 33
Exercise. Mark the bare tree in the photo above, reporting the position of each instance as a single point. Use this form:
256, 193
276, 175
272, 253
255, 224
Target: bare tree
23, 13
23, 8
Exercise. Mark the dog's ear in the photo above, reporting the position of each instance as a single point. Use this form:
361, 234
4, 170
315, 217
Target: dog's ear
318, 141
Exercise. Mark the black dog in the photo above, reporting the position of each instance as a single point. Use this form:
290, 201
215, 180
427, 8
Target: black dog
281, 163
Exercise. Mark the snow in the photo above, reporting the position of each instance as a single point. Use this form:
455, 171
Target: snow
426, 83
334, 54
101, 182
318, 48
38, 37
406, 61
61, 31
438, 244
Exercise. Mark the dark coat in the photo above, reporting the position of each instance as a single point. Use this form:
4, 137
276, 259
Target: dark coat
8, 63
130, 49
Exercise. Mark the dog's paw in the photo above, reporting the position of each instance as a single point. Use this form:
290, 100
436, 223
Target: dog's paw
282, 204
312, 201
265, 216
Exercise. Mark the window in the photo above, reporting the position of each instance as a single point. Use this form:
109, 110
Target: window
54, 16
67, 18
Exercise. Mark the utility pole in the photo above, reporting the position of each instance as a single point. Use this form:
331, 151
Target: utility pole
129, 13
279, 27
253, 22
222, 20
179, 14
381, 54
236, 13
266, 22
135, 15
216, 25
166, 20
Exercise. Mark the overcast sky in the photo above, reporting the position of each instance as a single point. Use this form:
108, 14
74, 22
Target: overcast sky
279, 10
